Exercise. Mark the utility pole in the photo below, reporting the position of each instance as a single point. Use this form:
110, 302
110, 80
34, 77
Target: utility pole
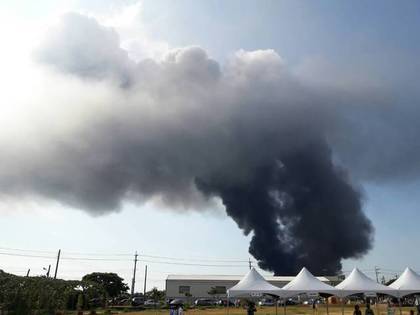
249, 263
377, 269
29, 270
145, 281
48, 272
56, 265
133, 281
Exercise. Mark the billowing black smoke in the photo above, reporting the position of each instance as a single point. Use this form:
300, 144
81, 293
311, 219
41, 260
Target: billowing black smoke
185, 130
301, 211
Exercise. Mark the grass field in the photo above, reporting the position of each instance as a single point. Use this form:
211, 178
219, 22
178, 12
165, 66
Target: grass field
291, 310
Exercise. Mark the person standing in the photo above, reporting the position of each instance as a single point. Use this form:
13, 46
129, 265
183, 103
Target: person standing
314, 306
390, 310
417, 303
369, 311
357, 310
251, 308
180, 310
173, 310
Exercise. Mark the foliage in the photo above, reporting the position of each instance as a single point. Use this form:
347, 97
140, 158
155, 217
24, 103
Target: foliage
111, 282
213, 291
23, 294
155, 294
42, 295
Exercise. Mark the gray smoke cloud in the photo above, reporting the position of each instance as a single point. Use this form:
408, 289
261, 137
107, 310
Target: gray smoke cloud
184, 130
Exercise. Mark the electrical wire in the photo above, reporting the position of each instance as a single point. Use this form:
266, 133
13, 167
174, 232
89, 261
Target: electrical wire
117, 259
130, 255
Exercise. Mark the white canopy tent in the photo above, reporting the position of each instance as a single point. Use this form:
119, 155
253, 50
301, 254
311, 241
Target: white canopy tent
357, 282
253, 284
305, 282
407, 283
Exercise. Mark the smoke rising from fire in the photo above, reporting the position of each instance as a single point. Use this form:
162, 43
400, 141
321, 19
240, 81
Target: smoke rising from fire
186, 130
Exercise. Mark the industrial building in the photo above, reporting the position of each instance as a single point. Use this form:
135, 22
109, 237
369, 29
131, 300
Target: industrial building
198, 286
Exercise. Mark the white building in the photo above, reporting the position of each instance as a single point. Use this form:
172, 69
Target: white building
199, 286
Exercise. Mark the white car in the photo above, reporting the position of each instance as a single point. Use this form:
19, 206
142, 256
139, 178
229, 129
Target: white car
151, 303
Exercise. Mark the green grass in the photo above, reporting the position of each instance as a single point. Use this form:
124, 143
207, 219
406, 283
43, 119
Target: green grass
291, 310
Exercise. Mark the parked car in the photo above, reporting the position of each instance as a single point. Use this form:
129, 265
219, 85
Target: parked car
291, 302
137, 301
204, 302
151, 303
288, 302
223, 302
311, 301
266, 302
175, 302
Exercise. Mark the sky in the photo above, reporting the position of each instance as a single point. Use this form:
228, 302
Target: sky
368, 47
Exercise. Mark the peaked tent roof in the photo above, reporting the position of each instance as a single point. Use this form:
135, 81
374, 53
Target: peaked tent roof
305, 282
358, 282
254, 284
407, 283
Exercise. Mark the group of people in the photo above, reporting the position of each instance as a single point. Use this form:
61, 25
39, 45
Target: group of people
390, 310
176, 310
251, 309
368, 310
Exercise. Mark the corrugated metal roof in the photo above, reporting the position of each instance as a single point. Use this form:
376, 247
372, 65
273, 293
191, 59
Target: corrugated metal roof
231, 278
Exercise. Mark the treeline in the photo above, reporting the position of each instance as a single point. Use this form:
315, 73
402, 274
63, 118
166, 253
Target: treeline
42, 295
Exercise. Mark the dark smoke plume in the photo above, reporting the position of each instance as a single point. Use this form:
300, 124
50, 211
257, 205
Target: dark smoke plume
185, 131
301, 211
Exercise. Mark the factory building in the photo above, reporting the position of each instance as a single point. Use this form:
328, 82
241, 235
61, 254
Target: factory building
207, 286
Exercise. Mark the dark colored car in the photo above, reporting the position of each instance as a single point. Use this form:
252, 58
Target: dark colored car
223, 302
137, 301
204, 302
288, 302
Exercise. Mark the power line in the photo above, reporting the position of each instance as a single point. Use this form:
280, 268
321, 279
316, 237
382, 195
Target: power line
155, 259
129, 255
188, 264
195, 259
28, 250
26, 255
118, 259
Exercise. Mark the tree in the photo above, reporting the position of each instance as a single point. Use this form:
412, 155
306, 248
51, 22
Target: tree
111, 282
155, 294
23, 295
213, 291
216, 291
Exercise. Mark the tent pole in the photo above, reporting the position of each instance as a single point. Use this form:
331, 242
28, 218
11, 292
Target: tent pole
227, 304
284, 306
328, 312
377, 305
399, 305
277, 300
342, 306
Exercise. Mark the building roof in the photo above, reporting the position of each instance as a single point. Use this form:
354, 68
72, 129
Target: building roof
232, 278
